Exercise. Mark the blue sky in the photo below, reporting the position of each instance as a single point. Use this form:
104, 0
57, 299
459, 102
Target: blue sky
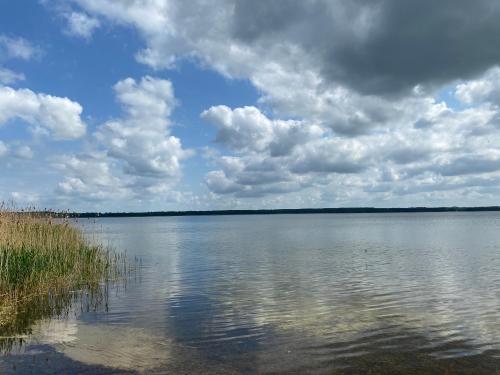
162, 105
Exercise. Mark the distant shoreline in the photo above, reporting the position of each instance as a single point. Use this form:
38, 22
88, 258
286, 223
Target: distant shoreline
346, 210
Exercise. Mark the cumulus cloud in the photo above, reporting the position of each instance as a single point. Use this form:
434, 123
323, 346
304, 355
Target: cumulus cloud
3, 149
475, 164
89, 176
142, 140
392, 160
275, 156
248, 129
130, 157
58, 116
23, 152
16, 48
24, 199
81, 25
481, 89
330, 156
8, 77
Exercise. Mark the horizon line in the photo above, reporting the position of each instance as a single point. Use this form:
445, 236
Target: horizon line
278, 211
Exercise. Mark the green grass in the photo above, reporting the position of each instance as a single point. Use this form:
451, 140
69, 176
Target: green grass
42, 259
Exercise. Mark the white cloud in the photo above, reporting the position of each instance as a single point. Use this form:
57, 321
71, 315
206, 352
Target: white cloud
8, 77
473, 91
16, 48
142, 140
3, 149
275, 156
248, 129
81, 25
59, 116
22, 199
485, 88
151, 98
394, 160
23, 152
130, 157
89, 177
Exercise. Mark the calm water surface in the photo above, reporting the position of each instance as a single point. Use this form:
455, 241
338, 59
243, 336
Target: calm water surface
342, 294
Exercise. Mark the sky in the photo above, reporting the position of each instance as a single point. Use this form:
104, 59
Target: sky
143, 105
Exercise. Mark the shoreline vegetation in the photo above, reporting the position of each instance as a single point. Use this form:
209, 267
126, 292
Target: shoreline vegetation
340, 210
46, 263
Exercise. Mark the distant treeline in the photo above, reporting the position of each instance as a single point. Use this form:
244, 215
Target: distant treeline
346, 210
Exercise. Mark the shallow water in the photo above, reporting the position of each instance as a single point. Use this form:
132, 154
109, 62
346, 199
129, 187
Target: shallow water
341, 293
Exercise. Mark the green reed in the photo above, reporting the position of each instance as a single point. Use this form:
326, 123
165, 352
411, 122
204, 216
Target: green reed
43, 262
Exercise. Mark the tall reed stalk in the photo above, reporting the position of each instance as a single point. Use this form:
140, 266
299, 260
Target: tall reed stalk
42, 257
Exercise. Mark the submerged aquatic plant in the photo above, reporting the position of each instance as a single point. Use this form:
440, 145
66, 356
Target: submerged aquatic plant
45, 264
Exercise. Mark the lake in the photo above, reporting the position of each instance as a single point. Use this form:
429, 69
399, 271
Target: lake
413, 293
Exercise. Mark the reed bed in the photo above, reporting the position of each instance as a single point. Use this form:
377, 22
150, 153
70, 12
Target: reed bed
44, 261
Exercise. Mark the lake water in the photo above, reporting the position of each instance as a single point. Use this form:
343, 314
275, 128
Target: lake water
414, 293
